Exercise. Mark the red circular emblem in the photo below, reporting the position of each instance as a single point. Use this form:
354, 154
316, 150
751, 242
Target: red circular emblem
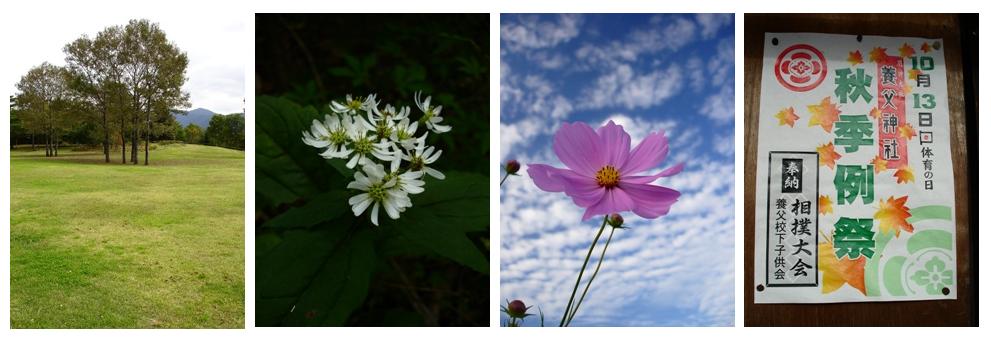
800, 67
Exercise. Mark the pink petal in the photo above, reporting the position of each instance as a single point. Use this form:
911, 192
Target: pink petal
545, 177
649, 179
583, 191
577, 145
615, 200
651, 201
615, 142
648, 154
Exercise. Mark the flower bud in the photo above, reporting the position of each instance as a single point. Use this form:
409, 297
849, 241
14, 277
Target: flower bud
615, 220
516, 309
512, 166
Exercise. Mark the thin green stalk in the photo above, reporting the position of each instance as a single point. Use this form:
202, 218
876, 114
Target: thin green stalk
582, 272
504, 178
589, 284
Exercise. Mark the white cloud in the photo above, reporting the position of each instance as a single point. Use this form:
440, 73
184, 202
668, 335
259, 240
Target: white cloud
712, 22
696, 74
529, 32
720, 107
532, 94
680, 262
725, 145
662, 35
722, 62
521, 132
621, 87
548, 60
638, 128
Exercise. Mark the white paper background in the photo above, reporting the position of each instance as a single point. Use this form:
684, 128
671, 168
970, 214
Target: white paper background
802, 137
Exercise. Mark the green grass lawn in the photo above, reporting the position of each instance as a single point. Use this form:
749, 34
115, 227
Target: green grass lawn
95, 245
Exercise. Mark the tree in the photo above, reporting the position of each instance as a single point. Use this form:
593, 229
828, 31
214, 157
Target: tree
194, 134
226, 131
96, 71
46, 101
154, 72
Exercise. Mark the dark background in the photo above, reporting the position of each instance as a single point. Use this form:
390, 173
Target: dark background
312, 59
959, 34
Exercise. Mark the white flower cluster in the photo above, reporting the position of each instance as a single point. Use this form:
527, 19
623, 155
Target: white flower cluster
370, 137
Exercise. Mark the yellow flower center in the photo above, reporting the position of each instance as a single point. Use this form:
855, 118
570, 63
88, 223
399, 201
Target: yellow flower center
607, 177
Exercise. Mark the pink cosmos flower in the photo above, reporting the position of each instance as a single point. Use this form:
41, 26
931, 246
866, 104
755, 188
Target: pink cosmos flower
602, 171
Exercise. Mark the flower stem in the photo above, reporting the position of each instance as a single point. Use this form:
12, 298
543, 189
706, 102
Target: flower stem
582, 271
504, 178
589, 284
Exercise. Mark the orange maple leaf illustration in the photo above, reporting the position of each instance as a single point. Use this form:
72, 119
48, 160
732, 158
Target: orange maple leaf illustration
824, 114
913, 74
906, 131
828, 155
878, 54
875, 113
905, 174
879, 164
825, 204
839, 271
906, 50
892, 214
925, 47
787, 116
855, 58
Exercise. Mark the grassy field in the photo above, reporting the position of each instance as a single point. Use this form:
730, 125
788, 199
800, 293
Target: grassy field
127, 246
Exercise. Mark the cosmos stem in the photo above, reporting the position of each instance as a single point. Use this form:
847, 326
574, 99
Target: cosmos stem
582, 271
504, 178
589, 284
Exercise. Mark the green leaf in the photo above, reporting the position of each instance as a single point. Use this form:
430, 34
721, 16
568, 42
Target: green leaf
285, 271
323, 207
444, 213
285, 168
314, 278
340, 287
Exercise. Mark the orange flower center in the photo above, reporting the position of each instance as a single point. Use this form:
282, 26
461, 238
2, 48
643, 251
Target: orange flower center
607, 177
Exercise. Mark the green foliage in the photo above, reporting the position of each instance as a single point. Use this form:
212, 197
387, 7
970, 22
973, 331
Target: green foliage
317, 264
226, 131
193, 134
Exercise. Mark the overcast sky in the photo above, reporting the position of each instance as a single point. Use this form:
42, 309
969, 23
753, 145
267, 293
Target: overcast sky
215, 44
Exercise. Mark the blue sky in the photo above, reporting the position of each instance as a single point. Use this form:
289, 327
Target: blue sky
645, 72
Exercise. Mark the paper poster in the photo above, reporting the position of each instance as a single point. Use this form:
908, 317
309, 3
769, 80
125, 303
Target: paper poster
854, 176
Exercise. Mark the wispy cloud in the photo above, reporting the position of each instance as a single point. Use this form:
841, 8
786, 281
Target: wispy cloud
647, 74
530, 31
625, 88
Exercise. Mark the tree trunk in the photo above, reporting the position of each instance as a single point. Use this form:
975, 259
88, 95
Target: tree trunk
123, 141
33, 146
147, 140
134, 142
106, 137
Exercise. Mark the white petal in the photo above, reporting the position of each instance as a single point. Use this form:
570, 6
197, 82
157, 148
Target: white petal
353, 162
357, 185
432, 159
434, 173
375, 214
391, 210
442, 128
361, 206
